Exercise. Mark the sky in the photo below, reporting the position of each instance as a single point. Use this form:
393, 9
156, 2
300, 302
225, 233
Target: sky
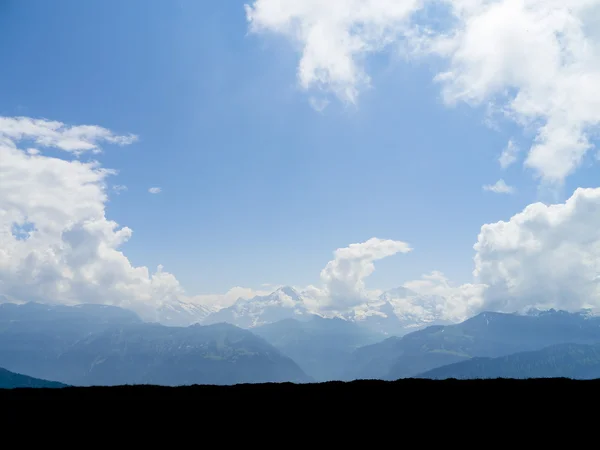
155, 151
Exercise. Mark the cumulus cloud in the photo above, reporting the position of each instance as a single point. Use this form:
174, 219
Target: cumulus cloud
545, 256
344, 277
56, 243
155, 190
535, 60
74, 139
500, 187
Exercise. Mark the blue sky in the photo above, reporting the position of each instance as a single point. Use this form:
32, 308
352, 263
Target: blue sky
257, 186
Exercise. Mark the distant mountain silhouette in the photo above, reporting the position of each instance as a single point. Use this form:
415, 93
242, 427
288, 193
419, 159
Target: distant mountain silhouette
576, 361
485, 335
104, 345
11, 380
321, 347
107, 346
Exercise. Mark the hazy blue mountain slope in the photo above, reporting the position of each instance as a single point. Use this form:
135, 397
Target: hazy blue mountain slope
373, 361
104, 345
33, 335
577, 361
155, 354
11, 380
321, 347
487, 334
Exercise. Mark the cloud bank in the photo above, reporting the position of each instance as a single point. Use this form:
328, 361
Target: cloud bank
545, 256
56, 244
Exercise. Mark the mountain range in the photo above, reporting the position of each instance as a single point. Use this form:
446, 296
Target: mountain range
104, 345
100, 345
486, 335
284, 303
395, 312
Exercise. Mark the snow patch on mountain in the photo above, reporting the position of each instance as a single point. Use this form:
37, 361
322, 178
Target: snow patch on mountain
182, 314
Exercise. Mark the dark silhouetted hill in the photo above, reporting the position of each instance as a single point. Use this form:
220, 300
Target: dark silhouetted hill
11, 380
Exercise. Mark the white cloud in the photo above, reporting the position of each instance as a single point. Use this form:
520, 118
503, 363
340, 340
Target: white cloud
535, 60
343, 277
56, 244
539, 57
509, 155
155, 190
441, 300
333, 36
545, 256
500, 187
76, 139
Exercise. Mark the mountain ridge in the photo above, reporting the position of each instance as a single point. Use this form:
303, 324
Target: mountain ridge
394, 312
488, 334
70, 345
574, 361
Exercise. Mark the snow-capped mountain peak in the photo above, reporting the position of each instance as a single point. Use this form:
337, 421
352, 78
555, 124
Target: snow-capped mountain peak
395, 312
283, 303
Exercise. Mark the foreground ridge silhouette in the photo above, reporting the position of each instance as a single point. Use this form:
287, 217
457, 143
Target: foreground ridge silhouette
362, 413
407, 388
